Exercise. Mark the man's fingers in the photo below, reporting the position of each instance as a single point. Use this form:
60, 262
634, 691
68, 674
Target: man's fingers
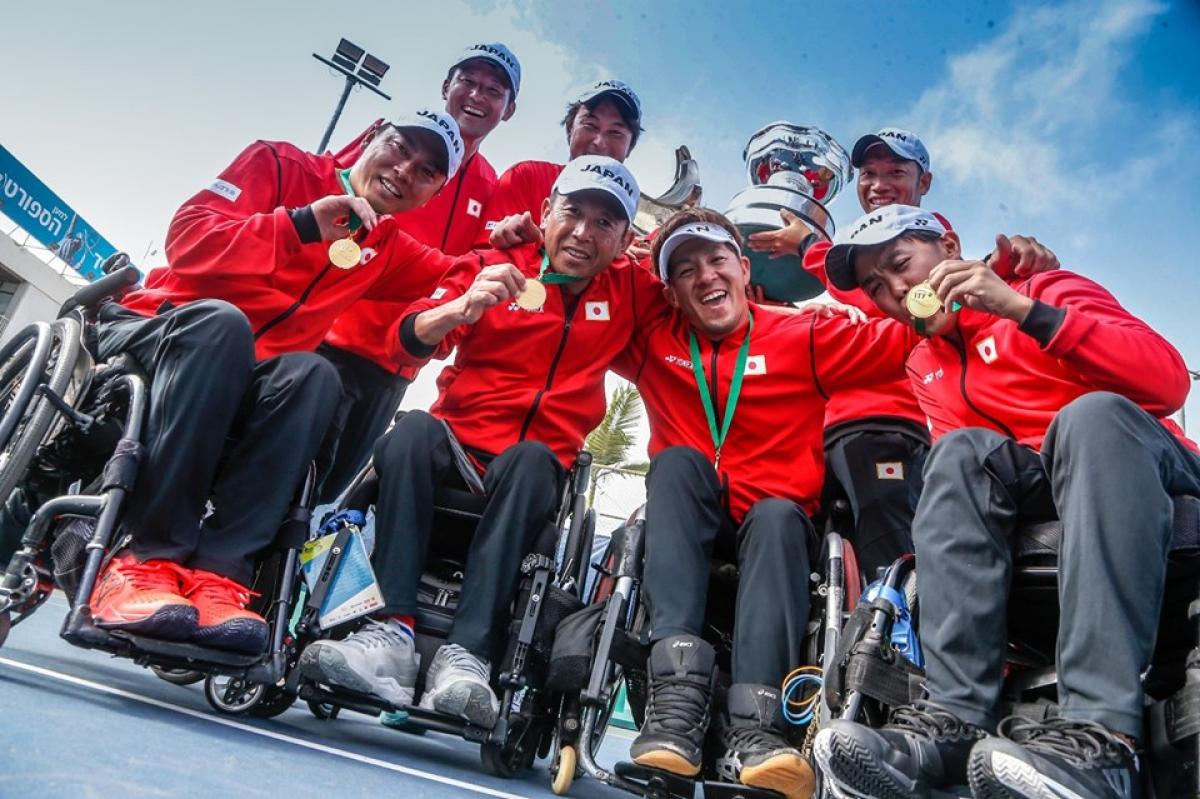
788, 217
762, 241
939, 272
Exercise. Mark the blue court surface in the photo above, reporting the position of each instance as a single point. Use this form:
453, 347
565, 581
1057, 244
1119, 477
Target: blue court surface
80, 724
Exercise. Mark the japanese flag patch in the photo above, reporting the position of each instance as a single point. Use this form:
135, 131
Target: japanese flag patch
597, 311
987, 349
474, 207
756, 365
889, 470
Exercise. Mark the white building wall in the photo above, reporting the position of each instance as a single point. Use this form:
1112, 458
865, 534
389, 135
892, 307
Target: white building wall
42, 291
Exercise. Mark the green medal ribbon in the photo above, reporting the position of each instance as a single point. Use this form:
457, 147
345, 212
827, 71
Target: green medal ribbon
344, 179
735, 389
554, 278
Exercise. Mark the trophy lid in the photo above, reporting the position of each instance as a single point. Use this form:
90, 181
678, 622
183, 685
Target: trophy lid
803, 150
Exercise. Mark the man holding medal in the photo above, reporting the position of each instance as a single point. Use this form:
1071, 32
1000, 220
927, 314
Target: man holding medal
1047, 399
736, 397
535, 328
480, 91
259, 263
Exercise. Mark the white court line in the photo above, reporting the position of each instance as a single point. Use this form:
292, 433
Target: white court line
237, 725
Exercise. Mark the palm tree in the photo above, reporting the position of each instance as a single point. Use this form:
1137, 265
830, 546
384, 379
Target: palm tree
611, 442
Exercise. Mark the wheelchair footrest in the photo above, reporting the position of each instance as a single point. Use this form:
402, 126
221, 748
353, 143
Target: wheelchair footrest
655, 783
728, 790
153, 651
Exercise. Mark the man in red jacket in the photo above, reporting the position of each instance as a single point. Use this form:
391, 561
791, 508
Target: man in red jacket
1047, 398
735, 396
606, 119
535, 328
480, 91
226, 332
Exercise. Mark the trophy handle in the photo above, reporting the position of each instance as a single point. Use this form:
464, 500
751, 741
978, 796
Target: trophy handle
684, 192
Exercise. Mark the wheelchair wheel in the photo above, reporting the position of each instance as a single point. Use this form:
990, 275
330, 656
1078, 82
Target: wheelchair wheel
37, 417
275, 702
177, 676
514, 755
563, 770
232, 696
323, 710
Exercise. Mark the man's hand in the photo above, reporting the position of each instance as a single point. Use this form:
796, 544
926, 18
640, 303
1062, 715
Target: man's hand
333, 215
492, 286
1022, 256
639, 250
973, 284
827, 310
513, 231
782, 242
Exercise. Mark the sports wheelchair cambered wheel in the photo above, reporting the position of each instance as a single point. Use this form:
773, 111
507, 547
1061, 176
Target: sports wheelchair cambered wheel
33, 376
233, 696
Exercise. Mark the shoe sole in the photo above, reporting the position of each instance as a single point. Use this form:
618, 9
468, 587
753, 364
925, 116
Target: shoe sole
236, 635
790, 775
330, 667
169, 623
666, 760
856, 772
465, 700
1002, 776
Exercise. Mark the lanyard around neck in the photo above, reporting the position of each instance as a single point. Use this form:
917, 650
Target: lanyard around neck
554, 277
735, 389
344, 179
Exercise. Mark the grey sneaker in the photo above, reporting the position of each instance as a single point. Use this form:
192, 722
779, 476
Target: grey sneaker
457, 685
379, 659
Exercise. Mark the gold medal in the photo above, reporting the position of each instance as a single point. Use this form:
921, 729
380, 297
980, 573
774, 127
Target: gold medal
921, 301
345, 253
533, 297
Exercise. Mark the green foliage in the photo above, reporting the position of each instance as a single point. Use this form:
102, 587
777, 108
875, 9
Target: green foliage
611, 442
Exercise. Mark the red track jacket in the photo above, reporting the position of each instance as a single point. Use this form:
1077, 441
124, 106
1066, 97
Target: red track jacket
451, 222
1006, 379
774, 446
532, 375
523, 187
236, 241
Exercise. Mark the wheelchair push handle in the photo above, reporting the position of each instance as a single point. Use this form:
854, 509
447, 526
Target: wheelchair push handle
120, 276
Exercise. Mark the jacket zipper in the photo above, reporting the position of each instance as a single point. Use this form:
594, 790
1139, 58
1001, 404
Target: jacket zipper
962, 387
562, 345
291, 309
718, 413
462, 176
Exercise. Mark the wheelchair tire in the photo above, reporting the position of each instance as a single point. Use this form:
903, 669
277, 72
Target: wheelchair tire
275, 702
323, 710
177, 676
562, 771
514, 755
40, 414
232, 696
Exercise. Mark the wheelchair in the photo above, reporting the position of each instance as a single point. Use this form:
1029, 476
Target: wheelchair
550, 589
70, 449
875, 678
593, 657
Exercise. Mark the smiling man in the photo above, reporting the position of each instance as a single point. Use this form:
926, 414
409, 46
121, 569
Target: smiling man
226, 331
735, 397
535, 330
480, 91
1047, 399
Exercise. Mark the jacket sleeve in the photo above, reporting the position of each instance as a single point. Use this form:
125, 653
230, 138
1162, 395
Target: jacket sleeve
1079, 322
403, 349
844, 355
236, 226
814, 264
507, 198
650, 311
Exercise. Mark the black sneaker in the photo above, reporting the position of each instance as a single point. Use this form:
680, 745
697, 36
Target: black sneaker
921, 747
1055, 759
753, 749
682, 670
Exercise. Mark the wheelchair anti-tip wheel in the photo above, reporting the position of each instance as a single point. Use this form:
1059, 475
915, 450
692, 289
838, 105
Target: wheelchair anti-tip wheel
562, 770
177, 676
232, 696
323, 710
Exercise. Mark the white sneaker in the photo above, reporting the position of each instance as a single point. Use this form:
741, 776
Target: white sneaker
457, 685
379, 659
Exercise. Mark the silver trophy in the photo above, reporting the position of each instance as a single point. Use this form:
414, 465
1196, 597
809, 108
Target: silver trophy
800, 168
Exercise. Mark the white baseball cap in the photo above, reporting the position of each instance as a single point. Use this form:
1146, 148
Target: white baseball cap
498, 54
903, 143
599, 172
620, 91
685, 233
446, 129
875, 227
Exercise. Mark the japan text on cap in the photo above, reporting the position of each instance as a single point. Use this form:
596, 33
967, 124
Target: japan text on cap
599, 172
684, 234
446, 129
619, 91
903, 143
498, 54
875, 227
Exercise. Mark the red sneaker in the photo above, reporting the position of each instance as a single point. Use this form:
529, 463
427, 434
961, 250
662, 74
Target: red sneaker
143, 598
224, 621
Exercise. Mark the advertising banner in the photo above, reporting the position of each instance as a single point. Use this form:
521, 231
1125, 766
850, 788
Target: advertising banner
42, 214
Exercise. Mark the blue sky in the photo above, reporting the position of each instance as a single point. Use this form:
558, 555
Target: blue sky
1072, 122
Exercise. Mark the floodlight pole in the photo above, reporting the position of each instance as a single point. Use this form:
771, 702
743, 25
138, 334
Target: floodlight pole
351, 81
